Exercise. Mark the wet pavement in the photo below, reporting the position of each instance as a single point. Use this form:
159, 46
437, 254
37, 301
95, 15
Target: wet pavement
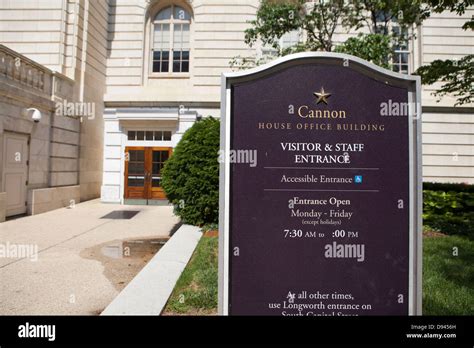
76, 261
123, 259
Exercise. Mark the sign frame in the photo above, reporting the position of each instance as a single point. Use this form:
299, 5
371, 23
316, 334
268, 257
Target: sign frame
413, 85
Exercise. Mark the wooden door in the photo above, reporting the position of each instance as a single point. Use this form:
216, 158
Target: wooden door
135, 173
158, 157
143, 167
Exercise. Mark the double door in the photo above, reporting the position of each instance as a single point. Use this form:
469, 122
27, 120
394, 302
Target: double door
143, 166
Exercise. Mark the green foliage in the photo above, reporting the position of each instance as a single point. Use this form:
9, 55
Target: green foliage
375, 48
448, 282
210, 227
458, 78
377, 15
457, 75
438, 186
191, 175
449, 212
196, 290
319, 20
273, 21
458, 6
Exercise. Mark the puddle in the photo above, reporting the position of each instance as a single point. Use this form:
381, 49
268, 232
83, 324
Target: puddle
132, 248
124, 259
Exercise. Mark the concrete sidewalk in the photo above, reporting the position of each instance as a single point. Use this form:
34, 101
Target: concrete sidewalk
149, 291
64, 280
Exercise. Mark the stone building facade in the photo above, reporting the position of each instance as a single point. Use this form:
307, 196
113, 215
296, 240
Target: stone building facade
146, 70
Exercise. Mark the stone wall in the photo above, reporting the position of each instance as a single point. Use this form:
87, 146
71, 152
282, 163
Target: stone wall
43, 200
53, 158
68, 36
3, 206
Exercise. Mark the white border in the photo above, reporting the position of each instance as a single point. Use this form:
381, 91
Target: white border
413, 83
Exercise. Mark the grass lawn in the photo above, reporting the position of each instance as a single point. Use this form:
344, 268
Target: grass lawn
448, 281
195, 292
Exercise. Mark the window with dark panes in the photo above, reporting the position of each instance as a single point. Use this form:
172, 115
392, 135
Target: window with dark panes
149, 135
167, 135
171, 47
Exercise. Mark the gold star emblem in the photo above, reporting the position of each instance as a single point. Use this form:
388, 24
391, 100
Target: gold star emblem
322, 96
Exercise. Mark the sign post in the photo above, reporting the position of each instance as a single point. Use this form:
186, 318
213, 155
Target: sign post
320, 189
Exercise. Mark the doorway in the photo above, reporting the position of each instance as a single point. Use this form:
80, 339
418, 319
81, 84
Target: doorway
143, 167
15, 172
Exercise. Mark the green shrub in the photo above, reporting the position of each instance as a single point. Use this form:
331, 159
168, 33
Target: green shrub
210, 227
437, 186
191, 175
450, 212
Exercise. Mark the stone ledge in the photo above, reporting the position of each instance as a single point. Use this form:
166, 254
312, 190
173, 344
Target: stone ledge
46, 199
149, 291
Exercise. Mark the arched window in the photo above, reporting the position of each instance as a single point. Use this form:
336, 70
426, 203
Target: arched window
170, 43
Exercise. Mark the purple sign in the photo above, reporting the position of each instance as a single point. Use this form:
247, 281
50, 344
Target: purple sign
320, 190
